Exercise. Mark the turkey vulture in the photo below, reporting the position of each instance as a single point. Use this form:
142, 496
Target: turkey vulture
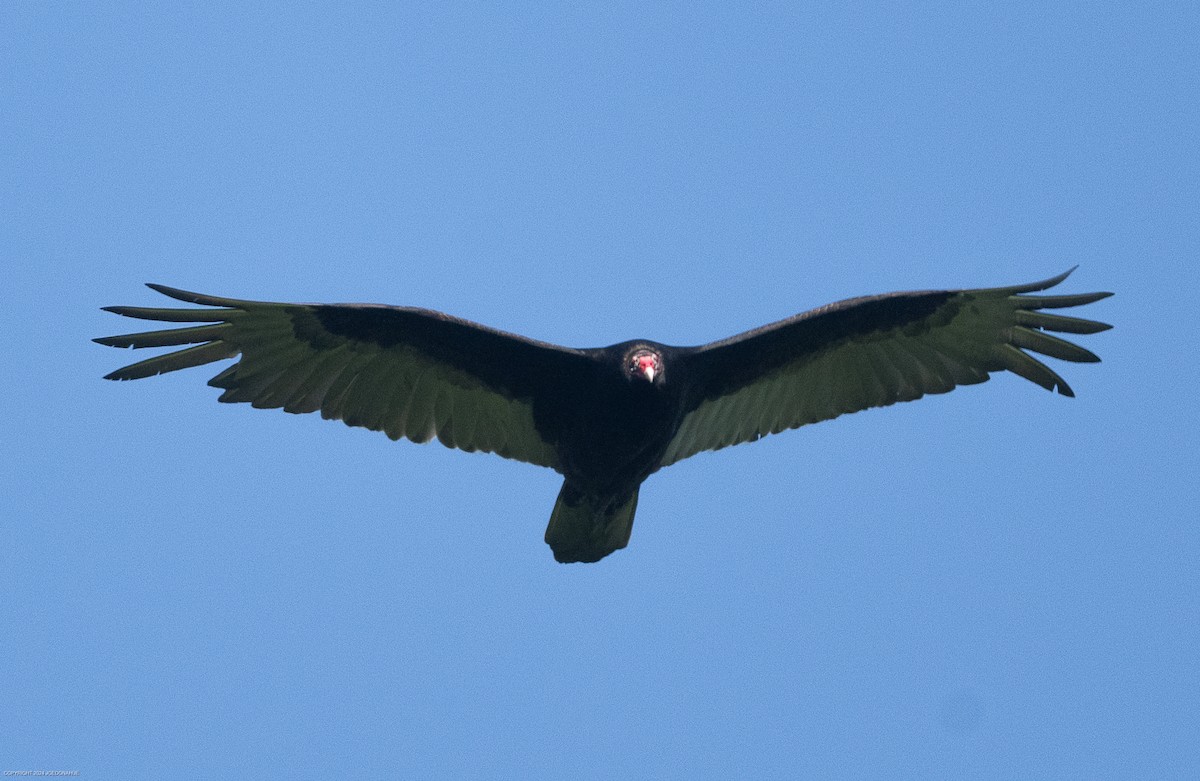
606, 418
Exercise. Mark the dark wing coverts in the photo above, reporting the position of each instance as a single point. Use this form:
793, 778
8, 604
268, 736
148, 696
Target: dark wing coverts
872, 352
408, 372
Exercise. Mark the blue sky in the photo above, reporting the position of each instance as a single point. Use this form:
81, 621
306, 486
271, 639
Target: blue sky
996, 583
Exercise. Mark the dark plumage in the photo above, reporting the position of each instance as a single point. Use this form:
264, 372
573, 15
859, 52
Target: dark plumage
606, 418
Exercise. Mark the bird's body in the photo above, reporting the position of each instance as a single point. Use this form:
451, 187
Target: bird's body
606, 418
613, 429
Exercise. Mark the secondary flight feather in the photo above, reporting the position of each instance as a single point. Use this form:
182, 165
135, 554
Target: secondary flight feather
606, 418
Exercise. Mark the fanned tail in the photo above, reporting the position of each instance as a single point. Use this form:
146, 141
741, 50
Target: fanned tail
582, 530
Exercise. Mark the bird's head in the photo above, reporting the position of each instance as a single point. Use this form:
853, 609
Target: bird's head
644, 365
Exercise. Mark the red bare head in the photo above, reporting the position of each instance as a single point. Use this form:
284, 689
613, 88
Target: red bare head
645, 364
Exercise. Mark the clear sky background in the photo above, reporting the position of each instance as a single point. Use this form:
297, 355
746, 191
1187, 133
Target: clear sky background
996, 583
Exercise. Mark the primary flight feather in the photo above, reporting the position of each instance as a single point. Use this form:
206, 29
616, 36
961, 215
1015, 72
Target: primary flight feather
606, 418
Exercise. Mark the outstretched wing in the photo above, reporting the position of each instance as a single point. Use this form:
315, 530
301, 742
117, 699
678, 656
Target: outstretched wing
871, 352
407, 372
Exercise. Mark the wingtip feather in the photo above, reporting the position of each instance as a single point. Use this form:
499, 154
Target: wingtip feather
196, 298
1044, 284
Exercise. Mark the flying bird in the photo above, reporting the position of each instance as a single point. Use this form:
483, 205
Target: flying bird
606, 418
